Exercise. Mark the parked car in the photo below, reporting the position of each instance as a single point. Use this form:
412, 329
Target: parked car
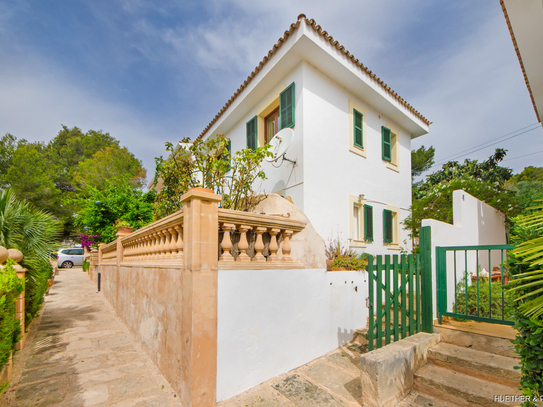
72, 256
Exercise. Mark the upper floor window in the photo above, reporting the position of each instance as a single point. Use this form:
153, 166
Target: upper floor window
357, 129
390, 147
275, 114
271, 125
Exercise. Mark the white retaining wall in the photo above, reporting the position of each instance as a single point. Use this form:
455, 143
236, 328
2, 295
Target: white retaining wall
272, 321
474, 223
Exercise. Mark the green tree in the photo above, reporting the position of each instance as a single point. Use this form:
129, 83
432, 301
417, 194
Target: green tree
528, 174
99, 210
106, 165
8, 145
421, 160
527, 194
50, 175
432, 198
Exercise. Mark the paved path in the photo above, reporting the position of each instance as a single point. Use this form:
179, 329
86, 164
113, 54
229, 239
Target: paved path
83, 355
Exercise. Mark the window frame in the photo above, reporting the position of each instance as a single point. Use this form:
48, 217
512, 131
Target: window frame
393, 162
361, 242
353, 147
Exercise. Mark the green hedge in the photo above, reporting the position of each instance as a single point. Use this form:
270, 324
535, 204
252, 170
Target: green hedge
36, 286
10, 328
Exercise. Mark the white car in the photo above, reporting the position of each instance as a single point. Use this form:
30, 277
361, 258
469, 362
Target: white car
72, 256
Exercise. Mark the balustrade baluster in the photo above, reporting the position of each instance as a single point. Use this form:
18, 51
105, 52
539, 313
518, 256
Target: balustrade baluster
285, 248
167, 239
179, 244
226, 243
243, 244
273, 244
259, 245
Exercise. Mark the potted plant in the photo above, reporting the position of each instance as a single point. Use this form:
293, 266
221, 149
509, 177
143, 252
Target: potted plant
123, 226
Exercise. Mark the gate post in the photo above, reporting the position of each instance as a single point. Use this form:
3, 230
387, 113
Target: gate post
425, 241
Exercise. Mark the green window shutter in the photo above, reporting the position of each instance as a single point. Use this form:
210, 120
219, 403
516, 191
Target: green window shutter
286, 107
368, 223
387, 226
387, 148
252, 134
358, 120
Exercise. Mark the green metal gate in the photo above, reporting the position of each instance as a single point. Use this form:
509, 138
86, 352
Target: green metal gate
470, 282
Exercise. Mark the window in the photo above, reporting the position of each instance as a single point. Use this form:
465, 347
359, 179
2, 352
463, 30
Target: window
360, 225
271, 125
391, 227
356, 222
286, 107
390, 147
368, 223
387, 226
387, 150
252, 134
358, 141
357, 129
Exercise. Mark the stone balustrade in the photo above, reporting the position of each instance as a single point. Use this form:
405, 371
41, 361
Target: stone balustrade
109, 253
256, 241
159, 242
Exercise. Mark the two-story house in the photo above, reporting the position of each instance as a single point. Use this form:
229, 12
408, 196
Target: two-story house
349, 163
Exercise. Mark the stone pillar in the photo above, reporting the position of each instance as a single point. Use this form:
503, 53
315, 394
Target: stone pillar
120, 255
199, 304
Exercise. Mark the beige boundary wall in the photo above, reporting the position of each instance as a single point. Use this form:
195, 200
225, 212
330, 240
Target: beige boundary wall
162, 280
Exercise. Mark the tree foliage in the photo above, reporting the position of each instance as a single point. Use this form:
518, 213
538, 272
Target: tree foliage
432, 198
49, 174
207, 164
100, 209
421, 160
528, 174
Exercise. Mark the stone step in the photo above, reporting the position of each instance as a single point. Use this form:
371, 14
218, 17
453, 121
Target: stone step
497, 344
476, 363
461, 389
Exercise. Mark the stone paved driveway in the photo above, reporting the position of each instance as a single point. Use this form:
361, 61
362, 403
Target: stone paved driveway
83, 355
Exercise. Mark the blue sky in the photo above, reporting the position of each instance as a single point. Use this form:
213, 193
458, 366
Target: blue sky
149, 73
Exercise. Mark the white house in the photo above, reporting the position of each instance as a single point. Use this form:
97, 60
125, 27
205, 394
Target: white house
349, 165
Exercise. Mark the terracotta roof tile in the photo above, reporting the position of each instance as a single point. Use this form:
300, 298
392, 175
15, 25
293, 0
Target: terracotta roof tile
334, 43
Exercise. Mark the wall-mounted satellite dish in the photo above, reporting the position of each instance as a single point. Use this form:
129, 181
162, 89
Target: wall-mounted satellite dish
280, 143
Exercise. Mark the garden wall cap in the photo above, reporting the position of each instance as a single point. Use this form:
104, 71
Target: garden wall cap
3, 254
15, 255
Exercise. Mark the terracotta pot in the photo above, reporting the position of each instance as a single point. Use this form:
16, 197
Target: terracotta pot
329, 265
125, 229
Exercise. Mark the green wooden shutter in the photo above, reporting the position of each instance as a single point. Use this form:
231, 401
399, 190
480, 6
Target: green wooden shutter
368, 223
387, 226
387, 149
358, 139
252, 134
286, 107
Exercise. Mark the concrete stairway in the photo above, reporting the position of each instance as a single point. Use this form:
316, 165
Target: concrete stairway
464, 376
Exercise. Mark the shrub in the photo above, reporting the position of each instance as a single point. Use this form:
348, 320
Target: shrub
487, 306
36, 286
86, 265
10, 329
350, 263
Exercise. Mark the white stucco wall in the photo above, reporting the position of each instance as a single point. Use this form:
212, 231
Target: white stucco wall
474, 223
272, 321
334, 172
